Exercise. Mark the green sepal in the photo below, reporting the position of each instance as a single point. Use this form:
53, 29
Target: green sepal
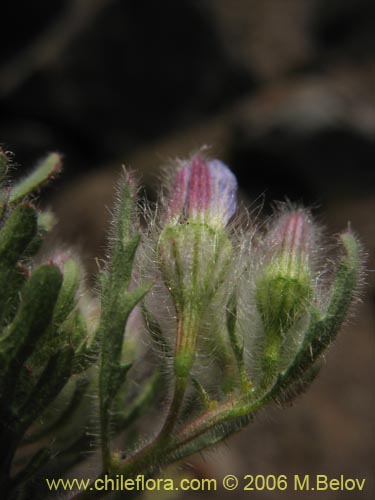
43, 173
282, 298
236, 343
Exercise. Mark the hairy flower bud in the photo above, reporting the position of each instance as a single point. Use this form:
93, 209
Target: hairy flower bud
194, 249
284, 287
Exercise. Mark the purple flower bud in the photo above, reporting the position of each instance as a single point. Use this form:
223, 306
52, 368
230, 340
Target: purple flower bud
205, 191
194, 251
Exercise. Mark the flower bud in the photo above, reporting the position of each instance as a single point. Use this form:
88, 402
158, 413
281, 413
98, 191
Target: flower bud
284, 288
194, 250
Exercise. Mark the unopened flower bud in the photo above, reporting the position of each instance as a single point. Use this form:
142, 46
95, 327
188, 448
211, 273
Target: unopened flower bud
284, 288
194, 249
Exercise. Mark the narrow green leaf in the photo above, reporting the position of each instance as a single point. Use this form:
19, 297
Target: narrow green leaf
66, 300
117, 304
16, 234
61, 329
47, 169
39, 459
46, 222
17, 278
124, 416
64, 417
208, 439
39, 297
51, 381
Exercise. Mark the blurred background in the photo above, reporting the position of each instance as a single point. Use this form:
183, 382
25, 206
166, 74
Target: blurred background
283, 91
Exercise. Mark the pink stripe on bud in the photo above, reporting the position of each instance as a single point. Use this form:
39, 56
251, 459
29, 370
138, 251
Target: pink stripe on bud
205, 190
292, 239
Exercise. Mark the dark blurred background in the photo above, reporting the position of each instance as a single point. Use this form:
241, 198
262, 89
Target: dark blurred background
283, 91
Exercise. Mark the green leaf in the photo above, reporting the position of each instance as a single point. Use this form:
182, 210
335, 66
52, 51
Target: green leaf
38, 460
53, 378
44, 172
64, 417
16, 234
34, 315
117, 304
61, 328
46, 221
124, 416
17, 278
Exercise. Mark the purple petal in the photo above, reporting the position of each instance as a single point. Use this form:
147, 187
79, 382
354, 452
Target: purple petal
205, 190
223, 196
199, 188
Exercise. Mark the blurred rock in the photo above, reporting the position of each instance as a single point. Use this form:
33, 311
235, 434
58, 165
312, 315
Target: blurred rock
123, 77
270, 38
310, 135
